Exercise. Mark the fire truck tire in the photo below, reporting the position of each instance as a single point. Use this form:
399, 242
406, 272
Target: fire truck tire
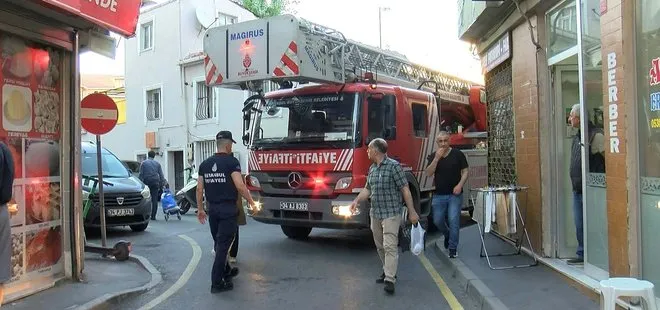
296, 232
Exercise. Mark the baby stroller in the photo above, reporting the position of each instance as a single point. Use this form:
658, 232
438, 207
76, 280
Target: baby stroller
169, 204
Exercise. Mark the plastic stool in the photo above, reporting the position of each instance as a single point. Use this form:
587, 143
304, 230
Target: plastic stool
613, 288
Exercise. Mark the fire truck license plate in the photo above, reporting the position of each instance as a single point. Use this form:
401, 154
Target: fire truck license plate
294, 206
120, 212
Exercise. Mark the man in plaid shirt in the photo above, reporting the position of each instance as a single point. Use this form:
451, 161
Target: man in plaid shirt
386, 184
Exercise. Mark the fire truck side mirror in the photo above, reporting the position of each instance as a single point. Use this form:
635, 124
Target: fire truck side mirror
389, 133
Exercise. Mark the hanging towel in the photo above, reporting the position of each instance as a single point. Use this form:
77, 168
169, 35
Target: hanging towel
513, 209
479, 209
490, 211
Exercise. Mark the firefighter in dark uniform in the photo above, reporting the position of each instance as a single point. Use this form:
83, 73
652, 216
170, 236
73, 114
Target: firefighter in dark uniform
220, 181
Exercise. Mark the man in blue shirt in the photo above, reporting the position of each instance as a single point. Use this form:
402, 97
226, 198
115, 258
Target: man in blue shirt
151, 174
220, 181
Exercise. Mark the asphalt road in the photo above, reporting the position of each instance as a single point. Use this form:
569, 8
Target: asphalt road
333, 269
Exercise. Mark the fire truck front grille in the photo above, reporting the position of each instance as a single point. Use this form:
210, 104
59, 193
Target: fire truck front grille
296, 215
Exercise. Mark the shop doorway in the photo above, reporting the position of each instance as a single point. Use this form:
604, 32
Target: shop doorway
566, 90
176, 163
566, 94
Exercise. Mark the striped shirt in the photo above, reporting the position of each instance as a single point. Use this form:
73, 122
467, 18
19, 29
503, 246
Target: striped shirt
384, 182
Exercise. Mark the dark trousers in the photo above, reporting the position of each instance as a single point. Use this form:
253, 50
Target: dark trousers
234, 246
154, 200
223, 230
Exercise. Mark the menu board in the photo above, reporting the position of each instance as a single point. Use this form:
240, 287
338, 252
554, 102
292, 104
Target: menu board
31, 105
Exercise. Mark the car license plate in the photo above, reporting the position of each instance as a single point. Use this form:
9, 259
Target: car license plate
120, 212
294, 206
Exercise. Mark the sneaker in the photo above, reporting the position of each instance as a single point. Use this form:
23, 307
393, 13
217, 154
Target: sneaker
453, 253
389, 287
381, 279
575, 261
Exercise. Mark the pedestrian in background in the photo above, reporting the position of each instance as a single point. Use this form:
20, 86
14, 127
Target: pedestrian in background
449, 169
596, 165
6, 191
386, 185
220, 181
151, 174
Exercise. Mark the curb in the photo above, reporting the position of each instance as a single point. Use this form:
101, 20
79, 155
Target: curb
474, 287
104, 301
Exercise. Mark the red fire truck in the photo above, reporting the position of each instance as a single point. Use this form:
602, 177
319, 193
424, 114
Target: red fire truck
307, 140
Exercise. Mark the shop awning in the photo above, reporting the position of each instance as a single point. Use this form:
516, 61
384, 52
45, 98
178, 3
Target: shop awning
119, 16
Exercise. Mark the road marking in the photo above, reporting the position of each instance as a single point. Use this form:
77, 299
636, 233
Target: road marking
187, 273
444, 289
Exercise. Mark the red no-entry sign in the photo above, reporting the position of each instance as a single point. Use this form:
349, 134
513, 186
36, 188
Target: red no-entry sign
98, 114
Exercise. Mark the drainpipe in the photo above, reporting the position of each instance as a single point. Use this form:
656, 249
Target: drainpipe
75, 193
182, 81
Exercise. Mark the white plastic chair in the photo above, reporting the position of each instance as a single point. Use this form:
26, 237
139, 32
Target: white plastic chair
613, 288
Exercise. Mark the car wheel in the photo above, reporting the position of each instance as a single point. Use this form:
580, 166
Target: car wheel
140, 227
295, 232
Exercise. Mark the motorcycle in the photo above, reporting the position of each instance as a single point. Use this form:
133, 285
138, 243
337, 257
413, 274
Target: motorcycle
186, 197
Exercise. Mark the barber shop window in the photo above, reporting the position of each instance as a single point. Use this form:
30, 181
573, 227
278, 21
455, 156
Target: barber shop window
381, 112
419, 117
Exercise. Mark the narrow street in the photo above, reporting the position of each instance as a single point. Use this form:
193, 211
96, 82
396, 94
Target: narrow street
333, 269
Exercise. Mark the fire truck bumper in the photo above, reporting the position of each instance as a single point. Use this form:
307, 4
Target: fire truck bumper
309, 212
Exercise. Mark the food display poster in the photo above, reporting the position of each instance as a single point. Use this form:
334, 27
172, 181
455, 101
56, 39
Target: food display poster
30, 117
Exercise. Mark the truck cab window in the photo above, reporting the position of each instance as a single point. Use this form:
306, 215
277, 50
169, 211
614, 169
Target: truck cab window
381, 118
419, 118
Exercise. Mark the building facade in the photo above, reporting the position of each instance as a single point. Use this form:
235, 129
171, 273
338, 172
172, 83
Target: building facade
169, 109
40, 45
539, 59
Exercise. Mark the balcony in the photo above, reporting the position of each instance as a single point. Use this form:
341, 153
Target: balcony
477, 17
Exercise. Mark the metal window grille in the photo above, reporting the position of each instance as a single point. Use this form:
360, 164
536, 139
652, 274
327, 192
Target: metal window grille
501, 136
205, 108
153, 104
204, 150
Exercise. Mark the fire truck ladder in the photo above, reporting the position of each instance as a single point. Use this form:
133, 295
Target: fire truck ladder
389, 67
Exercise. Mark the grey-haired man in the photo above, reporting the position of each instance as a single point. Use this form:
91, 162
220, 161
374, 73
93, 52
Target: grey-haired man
386, 185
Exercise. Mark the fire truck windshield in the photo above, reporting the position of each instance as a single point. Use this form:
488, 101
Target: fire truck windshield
310, 121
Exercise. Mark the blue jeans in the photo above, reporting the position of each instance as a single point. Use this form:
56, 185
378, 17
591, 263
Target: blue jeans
448, 206
579, 224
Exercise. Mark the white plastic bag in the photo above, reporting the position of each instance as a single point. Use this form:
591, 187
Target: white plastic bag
417, 239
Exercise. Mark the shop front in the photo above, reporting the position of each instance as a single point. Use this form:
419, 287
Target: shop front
39, 91
648, 123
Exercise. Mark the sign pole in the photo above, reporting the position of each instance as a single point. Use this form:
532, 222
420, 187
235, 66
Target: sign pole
99, 166
98, 115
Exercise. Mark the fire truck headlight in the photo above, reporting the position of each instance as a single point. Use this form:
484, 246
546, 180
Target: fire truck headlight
343, 183
345, 211
257, 207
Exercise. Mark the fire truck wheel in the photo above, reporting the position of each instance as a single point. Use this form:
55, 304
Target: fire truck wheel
295, 232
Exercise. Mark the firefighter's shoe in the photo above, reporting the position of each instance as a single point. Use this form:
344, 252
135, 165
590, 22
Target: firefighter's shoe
233, 272
222, 287
389, 287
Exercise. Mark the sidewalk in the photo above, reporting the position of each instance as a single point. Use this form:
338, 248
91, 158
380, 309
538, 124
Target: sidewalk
106, 281
537, 287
